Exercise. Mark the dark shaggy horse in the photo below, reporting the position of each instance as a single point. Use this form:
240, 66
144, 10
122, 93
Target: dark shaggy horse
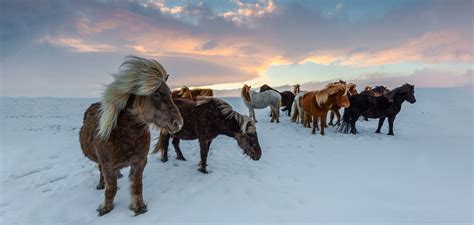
116, 134
377, 107
204, 120
287, 98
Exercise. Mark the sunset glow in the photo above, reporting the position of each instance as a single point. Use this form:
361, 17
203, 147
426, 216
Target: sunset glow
75, 45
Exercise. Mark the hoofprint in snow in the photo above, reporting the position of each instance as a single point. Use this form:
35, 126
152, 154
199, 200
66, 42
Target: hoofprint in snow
422, 175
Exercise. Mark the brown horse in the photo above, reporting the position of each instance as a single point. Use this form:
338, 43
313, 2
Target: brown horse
192, 92
316, 104
206, 119
115, 133
335, 108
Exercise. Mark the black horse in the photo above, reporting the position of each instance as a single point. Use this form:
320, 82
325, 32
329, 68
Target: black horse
287, 98
385, 106
206, 119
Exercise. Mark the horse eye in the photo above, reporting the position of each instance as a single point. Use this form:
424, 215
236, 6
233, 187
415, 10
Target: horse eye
156, 94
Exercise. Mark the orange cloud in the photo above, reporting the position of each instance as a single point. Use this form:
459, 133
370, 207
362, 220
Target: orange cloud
78, 45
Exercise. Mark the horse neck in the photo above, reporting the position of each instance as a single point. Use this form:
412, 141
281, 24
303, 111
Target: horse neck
128, 118
398, 98
330, 101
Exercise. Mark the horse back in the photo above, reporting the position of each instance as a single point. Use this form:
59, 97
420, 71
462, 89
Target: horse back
199, 119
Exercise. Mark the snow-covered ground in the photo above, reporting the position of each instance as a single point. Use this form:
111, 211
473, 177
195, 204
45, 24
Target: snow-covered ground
423, 175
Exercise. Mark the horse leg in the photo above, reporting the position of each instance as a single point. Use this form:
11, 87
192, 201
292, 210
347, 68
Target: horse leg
323, 122
353, 122
101, 184
277, 113
306, 120
273, 114
204, 145
136, 187
338, 116
381, 120
331, 118
110, 178
391, 119
289, 108
179, 154
252, 114
315, 124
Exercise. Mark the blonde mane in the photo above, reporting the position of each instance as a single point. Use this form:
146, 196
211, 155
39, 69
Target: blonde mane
226, 111
323, 95
138, 76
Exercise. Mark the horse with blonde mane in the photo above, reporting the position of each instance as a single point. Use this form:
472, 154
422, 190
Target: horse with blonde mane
115, 131
335, 108
316, 104
192, 92
254, 100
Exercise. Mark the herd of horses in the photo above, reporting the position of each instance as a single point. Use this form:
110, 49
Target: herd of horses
116, 131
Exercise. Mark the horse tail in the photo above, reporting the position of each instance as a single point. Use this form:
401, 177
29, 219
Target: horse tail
160, 144
346, 122
296, 113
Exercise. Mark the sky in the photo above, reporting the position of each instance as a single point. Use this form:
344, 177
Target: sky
70, 48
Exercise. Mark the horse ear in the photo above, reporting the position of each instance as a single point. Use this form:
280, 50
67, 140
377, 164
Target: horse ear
250, 128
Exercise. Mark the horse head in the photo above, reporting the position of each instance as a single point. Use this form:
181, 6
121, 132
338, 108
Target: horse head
245, 92
247, 138
342, 97
296, 89
140, 83
352, 88
410, 92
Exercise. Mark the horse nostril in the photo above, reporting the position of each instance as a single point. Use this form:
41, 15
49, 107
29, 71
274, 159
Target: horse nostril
176, 124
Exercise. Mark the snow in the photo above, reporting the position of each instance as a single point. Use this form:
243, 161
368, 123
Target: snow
422, 175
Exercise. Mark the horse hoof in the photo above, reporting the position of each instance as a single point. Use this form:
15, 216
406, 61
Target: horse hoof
104, 210
391, 134
203, 170
140, 209
100, 186
377, 132
164, 160
180, 158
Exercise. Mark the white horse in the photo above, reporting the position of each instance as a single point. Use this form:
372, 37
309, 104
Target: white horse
254, 100
297, 110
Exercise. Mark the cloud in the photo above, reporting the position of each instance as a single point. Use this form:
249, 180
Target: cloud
241, 40
78, 45
247, 12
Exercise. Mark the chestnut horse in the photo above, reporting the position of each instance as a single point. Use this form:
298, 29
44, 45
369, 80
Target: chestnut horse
190, 94
115, 133
206, 119
335, 108
316, 104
